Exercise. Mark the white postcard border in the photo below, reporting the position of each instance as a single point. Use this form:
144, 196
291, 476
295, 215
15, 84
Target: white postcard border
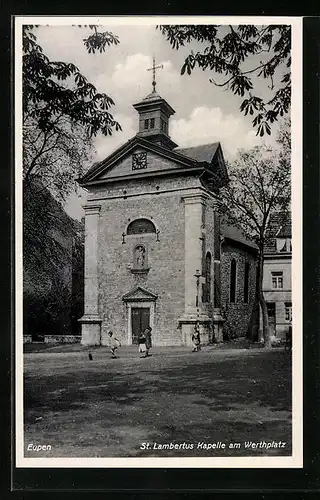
294, 461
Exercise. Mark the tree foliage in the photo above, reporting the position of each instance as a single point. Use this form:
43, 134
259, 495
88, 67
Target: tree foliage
52, 248
62, 111
259, 186
238, 55
54, 88
55, 157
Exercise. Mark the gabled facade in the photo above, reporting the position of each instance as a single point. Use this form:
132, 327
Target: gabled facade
152, 251
277, 286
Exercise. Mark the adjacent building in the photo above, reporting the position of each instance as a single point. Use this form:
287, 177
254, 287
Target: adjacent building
277, 285
238, 280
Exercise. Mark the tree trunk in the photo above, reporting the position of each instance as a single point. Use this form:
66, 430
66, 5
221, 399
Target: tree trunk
262, 302
253, 327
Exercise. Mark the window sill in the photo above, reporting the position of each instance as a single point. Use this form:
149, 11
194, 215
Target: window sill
144, 270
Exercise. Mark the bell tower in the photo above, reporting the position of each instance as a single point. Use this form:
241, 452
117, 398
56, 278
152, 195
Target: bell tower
154, 114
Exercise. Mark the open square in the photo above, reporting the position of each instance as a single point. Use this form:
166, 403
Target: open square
131, 407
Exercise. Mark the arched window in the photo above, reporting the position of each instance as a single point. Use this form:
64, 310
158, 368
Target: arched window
141, 226
207, 287
246, 283
233, 280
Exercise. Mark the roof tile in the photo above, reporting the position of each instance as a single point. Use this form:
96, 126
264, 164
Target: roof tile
204, 152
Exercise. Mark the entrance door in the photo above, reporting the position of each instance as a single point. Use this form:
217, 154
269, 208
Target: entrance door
271, 306
140, 318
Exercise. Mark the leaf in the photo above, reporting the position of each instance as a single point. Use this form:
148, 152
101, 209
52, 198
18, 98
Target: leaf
227, 50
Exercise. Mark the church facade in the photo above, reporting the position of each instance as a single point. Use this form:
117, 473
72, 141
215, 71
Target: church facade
152, 237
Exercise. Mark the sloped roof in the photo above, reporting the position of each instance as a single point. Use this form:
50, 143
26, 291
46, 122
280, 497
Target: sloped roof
154, 96
282, 223
234, 233
175, 155
279, 227
97, 165
154, 99
204, 152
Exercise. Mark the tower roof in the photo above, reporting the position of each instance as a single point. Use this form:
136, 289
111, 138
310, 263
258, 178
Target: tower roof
154, 115
154, 102
153, 96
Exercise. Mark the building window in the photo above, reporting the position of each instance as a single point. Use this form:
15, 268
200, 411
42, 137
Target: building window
246, 283
271, 310
141, 226
207, 286
146, 124
284, 245
288, 311
203, 254
217, 285
203, 216
152, 123
233, 281
164, 125
277, 279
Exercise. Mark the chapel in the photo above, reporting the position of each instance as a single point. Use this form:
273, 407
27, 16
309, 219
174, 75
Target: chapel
153, 237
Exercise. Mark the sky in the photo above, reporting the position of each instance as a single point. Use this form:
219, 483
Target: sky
204, 113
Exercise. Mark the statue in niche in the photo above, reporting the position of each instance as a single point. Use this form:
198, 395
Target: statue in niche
139, 257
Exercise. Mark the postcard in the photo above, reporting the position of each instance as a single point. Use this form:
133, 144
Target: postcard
158, 181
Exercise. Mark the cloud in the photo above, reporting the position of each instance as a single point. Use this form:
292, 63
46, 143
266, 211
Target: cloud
130, 81
136, 71
132, 71
205, 125
105, 145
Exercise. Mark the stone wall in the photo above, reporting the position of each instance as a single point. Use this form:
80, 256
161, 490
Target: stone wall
55, 339
165, 261
237, 314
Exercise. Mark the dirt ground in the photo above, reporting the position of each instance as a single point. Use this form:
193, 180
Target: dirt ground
132, 407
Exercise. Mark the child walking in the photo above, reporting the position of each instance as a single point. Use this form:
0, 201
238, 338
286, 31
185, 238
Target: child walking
113, 343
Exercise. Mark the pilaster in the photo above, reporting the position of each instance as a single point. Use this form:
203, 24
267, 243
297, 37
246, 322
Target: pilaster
193, 313
193, 249
91, 321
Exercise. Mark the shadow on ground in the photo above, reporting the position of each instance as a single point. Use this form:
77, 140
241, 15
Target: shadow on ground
111, 407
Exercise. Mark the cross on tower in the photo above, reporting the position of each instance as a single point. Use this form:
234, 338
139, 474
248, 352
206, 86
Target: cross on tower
154, 67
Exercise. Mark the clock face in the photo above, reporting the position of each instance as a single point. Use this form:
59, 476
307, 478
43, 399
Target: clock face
139, 161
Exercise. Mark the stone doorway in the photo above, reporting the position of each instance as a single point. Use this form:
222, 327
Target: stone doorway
140, 320
140, 305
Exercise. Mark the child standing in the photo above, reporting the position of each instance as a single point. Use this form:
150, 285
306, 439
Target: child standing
142, 344
196, 339
113, 343
147, 333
